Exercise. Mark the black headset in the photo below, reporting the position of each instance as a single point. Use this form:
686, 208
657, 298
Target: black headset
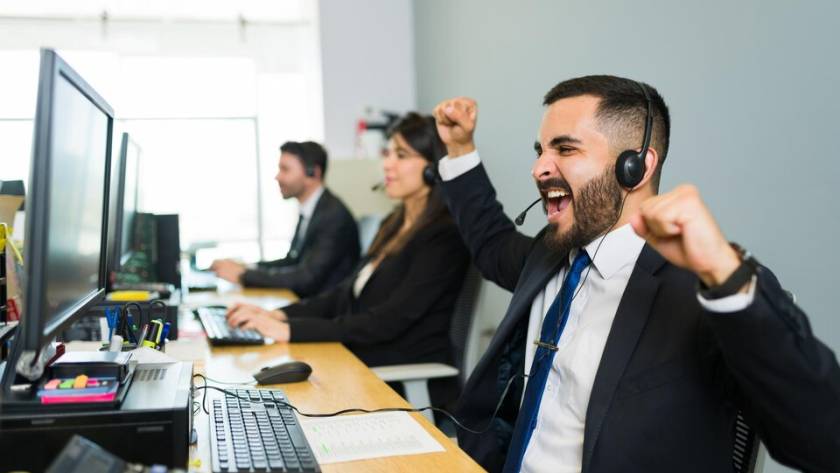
430, 175
630, 167
308, 169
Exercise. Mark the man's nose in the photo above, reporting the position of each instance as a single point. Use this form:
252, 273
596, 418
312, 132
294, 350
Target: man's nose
544, 167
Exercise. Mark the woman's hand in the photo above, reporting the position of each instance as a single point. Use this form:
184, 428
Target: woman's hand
270, 323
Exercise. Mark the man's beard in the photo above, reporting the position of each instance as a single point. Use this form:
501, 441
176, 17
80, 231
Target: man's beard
596, 208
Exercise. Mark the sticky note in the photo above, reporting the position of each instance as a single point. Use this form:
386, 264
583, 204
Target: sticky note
52, 384
80, 382
92, 383
66, 384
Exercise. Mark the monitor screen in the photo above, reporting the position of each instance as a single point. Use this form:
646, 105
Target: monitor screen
67, 205
78, 148
130, 195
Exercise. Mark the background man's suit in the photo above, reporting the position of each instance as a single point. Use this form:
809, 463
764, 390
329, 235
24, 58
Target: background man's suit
327, 254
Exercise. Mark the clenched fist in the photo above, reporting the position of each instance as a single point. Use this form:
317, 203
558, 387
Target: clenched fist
680, 227
456, 120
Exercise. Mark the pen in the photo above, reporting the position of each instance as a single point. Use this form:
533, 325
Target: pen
131, 328
158, 332
143, 334
166, 328
149, 342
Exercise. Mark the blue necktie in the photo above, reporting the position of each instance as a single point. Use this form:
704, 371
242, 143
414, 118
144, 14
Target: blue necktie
552, 328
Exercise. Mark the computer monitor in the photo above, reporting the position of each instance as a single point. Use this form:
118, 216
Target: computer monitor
67, 208
124, 203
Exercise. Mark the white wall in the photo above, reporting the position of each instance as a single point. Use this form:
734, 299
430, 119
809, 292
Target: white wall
752, 87
367, 52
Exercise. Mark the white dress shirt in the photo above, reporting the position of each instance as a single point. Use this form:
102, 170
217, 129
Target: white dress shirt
556, 444
307, 209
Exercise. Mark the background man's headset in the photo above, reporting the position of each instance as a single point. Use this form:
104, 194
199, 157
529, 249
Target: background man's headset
309, 169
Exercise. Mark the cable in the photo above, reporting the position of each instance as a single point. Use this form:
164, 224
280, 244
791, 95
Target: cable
486, 428
545, 351
207, 378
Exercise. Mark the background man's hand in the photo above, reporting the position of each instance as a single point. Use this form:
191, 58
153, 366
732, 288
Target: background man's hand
456, 120
680, 227
228, 270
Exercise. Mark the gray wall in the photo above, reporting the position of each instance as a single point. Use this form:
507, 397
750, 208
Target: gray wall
367, 57
753, 92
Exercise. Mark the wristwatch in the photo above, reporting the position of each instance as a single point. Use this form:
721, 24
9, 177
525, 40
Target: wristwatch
742, 275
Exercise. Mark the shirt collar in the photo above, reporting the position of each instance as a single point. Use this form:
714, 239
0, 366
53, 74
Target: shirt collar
620, 247
308, 208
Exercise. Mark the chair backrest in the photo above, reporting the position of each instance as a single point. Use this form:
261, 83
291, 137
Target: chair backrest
747, 453
463, 316
368, 226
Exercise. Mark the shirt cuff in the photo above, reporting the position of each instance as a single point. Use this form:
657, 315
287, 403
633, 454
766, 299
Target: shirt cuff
450, 168
729, 304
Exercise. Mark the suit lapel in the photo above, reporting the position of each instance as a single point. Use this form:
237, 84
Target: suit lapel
541, 265
630, 319
315, 219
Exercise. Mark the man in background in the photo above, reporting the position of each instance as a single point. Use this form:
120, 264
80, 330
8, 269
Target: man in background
325, 246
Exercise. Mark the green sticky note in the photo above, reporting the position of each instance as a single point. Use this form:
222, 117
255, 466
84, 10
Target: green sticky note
66, 384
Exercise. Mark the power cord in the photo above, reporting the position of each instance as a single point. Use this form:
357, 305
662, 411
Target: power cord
486, 428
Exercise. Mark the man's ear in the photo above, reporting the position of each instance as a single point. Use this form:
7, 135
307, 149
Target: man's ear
651, 163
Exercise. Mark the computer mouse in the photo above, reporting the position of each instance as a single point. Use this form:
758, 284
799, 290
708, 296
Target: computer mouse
289, 372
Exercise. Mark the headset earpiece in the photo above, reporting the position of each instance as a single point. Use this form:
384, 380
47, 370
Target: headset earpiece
630, 169
630, 166
309, 170
430, 175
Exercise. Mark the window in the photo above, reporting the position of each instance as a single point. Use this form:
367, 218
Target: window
208, 103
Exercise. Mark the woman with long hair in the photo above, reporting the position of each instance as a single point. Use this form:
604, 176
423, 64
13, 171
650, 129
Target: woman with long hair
396, 308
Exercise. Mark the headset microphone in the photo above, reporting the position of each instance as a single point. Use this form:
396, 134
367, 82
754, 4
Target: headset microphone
521, 218
377, 187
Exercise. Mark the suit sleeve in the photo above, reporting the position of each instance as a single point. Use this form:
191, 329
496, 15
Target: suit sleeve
278, 263
437, 268
789, 380
324, 251
499, 251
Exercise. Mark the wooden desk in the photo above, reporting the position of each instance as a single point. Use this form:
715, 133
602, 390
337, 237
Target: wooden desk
229, 293
339, 380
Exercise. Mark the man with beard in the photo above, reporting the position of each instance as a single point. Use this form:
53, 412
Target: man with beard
636, 335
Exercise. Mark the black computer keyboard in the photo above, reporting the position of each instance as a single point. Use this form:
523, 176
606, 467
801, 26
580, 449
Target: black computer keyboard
257, 434
220, 333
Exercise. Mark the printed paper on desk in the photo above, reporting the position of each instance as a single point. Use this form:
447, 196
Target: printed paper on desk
360, 437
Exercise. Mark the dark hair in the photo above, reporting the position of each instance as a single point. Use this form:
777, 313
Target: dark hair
310, 154
622, 112
420, 132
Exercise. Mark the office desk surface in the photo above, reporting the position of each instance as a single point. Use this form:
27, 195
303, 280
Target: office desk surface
339, 380
230, 293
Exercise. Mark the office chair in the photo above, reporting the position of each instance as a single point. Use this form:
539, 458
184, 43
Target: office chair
368, 226
415, 377
747, 453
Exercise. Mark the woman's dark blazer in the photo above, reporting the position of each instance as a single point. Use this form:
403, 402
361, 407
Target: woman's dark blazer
403, 313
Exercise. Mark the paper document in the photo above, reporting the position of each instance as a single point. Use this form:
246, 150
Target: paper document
359, 437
